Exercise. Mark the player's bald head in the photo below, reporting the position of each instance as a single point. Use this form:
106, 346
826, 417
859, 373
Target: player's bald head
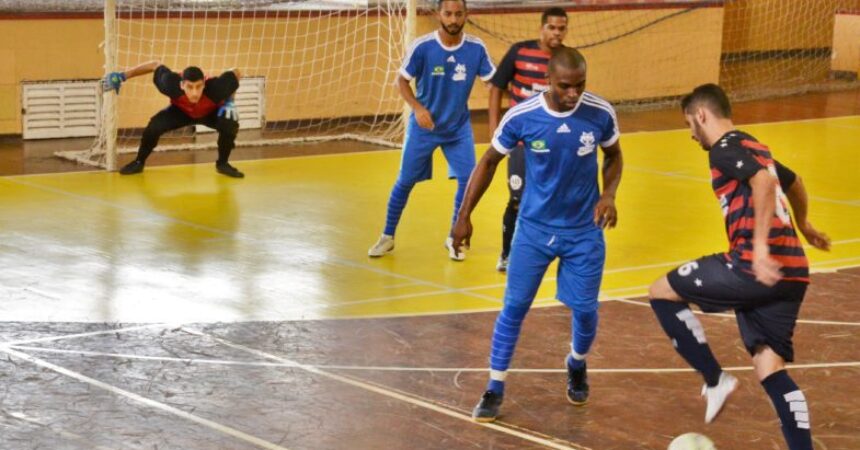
709, 96
566, 58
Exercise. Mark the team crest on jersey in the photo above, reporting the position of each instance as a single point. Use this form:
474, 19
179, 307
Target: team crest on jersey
587, 141
539, 146
459, 73
439, 71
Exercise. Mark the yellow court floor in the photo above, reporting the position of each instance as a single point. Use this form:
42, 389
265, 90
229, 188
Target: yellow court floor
289, 242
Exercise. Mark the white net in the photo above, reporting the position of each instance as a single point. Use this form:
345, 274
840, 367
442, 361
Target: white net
312, 70
648, 53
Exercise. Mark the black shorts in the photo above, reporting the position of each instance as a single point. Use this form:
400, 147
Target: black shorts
765, 315
517, 172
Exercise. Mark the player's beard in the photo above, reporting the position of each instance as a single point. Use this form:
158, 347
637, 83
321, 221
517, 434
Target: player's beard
699, 133
452, 29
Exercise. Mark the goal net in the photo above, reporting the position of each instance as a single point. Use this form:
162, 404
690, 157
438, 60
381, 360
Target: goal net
312, 70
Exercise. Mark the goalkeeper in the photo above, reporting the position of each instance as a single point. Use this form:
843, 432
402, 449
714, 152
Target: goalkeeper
194, 99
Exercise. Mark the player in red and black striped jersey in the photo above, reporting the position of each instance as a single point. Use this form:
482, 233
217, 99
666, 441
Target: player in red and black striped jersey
764, 275
194, 99
523, 73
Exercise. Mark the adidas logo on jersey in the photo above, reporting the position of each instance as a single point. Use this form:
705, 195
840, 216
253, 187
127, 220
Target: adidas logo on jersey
451, 59
563, 129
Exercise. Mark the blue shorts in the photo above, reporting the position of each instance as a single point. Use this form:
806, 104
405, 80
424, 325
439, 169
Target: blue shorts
581, 257
416, 163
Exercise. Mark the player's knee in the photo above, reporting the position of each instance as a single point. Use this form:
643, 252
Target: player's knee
767, 362
227, 126
661, 289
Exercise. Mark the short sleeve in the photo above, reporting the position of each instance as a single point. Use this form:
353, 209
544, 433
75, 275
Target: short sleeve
734, 161
610, 132
167, 82
786, 176
487, 68
413, 64
505, 72
507, 135
222, 87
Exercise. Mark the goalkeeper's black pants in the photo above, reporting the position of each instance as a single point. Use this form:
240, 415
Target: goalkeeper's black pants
171, 118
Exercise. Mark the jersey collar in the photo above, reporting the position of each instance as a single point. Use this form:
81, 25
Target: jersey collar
553, 113
450, 49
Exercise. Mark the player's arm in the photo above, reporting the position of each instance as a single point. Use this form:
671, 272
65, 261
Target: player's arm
765, 268
494, 110
792, 186
422, 115
605, 213
479, 181
503, 76
114, 80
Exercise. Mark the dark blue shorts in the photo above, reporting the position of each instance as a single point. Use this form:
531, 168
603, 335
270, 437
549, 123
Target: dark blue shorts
766, 315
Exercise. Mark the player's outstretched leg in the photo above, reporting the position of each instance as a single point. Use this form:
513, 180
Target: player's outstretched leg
396, 203
227, 131
688, 336
583, 330
165, 120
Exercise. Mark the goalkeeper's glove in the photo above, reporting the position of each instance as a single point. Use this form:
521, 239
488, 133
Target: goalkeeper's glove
113, 81
228, 111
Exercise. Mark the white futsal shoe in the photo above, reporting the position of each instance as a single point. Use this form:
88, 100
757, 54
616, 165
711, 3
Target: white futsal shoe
716, 396
383, 246
452, 252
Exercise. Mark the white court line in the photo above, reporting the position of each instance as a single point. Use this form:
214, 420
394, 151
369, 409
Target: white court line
388, 393
732, 316
87, 334
145, 401
221, 362
55, 429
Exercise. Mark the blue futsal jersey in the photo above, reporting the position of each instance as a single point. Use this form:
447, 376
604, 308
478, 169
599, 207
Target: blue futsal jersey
445, 76
561, 158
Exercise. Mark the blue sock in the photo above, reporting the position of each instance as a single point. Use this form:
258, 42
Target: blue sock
458, 197
584, 330
687, 334
505, 335
790, 405
396, 203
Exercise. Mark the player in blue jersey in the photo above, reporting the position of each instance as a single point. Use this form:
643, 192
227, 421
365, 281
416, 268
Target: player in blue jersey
562, 215
522, 73
444, 64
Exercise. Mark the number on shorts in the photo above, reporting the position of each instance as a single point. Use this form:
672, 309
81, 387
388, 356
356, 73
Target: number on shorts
688, 268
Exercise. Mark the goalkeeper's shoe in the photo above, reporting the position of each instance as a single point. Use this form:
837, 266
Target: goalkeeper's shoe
230, 171
132, 168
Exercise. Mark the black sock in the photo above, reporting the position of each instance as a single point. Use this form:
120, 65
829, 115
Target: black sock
509, 223
688, 336
791, 408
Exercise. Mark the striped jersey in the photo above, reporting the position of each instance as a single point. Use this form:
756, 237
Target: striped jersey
734, 159
523, 71
561, 158
444, 78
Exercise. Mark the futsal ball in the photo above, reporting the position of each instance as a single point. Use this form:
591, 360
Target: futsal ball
692, 441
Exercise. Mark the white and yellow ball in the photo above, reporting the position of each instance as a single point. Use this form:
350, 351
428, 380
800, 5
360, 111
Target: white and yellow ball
692, 441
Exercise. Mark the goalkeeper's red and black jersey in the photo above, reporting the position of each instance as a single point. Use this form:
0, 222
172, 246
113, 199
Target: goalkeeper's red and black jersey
215, 92
734, 159
523, 71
